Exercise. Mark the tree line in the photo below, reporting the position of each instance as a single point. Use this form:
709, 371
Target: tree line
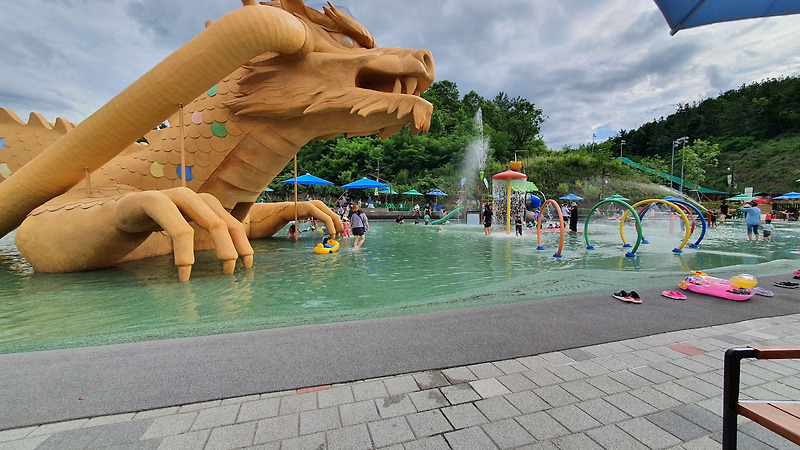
752, 133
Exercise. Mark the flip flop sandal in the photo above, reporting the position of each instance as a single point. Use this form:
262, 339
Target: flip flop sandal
635, 297
761, 291
786, 284
622, 295
674, 295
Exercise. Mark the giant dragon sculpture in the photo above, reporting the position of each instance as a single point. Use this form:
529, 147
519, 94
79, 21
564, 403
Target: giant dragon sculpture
88, 196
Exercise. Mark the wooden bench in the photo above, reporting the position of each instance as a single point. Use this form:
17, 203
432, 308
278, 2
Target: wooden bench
781, 417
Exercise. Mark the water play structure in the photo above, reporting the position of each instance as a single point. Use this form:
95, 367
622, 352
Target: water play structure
688, 230
677, 207
619, 201
241, 99
688, 209
561, 227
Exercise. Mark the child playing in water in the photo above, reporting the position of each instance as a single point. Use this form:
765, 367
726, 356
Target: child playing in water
768, 228
345, 227
518, 225
292, 233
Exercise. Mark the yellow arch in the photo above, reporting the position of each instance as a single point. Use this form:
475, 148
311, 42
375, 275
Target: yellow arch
671, 205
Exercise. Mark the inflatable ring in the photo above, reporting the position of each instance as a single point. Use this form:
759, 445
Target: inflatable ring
322, 250
744, 281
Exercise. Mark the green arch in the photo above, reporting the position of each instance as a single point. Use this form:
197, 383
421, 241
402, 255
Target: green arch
589, 246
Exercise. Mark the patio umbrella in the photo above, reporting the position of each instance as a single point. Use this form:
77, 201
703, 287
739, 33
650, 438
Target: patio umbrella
364, 183
387, 190
616, 197
788, 196
308, 180
741, 198
571, 197
437, 193
413, 192
681, 14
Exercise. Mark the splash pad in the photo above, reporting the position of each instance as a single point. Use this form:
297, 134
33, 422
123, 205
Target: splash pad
401, 270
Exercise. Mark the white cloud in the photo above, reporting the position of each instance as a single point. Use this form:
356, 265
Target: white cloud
593, 67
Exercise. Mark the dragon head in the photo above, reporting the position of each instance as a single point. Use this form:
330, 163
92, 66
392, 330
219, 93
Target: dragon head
343, 84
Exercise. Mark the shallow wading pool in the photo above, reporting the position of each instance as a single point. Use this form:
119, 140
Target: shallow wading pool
400, 270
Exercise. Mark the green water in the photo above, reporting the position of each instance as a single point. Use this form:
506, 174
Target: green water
406, 269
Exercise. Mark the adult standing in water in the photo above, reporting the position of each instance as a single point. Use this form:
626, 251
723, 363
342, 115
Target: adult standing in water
573, 218
752, 219
359, 224
487, 220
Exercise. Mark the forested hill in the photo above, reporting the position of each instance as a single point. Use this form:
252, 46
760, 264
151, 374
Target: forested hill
756, 128
753, 131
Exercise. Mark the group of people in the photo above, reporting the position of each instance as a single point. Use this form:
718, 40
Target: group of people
354, 222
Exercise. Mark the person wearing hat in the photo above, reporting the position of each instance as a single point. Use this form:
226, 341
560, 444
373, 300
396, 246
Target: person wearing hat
358, 225
751, 219
573, 218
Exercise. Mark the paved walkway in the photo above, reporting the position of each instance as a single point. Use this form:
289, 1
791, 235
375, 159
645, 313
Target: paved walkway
658, 391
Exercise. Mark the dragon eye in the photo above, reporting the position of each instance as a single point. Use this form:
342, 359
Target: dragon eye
348, 42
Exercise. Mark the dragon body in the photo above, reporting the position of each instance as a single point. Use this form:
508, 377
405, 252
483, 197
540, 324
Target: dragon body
88, 196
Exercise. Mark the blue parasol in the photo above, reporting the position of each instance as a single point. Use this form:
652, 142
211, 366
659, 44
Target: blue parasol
307, 180
364, 183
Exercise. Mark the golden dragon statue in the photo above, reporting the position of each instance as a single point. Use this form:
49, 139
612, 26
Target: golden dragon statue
241, 98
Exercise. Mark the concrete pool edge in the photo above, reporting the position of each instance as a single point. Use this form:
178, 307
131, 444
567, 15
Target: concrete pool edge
43, 387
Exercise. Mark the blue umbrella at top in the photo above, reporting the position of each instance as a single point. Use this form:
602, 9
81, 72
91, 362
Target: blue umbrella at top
307, 180
788, 196
571, 197
437, 193
681, 14
364, 183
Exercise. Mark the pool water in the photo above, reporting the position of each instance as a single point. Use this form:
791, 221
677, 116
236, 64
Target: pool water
405, 269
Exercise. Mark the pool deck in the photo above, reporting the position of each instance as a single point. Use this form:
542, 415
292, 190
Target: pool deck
582, 372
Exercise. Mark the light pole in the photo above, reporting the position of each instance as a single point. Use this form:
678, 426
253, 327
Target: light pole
621, 143
674, 144
594, 135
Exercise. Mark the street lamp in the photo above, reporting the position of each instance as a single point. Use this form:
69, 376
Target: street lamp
621, 143
672, 167
594, 135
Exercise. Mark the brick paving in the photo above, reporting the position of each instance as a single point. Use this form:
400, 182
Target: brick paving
659, 391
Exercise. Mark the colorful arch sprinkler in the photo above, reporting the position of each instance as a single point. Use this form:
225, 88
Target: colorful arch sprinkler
620, 201
539, 227
678, 249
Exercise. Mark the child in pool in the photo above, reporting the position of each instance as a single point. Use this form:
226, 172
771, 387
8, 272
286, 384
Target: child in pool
768, 229
345, 227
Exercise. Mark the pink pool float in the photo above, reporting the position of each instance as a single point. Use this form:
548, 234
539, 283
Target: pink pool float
738, 288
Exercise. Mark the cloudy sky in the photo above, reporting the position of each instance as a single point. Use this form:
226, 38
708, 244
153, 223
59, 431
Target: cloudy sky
593, 66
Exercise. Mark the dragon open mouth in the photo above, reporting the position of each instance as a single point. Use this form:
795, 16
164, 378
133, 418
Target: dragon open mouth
395, 84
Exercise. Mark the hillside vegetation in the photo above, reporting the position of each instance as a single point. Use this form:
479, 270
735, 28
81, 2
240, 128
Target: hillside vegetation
752, 131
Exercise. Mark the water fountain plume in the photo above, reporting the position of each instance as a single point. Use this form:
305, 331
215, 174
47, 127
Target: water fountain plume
475, 156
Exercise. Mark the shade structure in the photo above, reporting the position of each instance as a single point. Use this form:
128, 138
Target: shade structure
681, 14
788, 196
269, 189
571, 197
387, 190
308, 180
741, 198
413, 192
522, 185
364, 183
508, 174
437, 193
615, 197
